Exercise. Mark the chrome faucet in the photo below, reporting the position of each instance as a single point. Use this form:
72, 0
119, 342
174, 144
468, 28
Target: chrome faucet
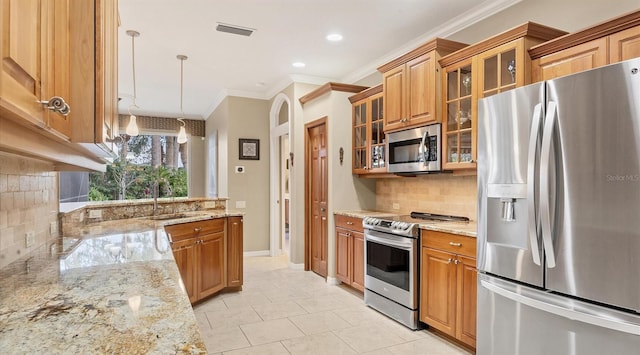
155, 198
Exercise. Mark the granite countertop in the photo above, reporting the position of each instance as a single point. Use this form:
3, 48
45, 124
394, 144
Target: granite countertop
109, 287
468, 229
461, 228
364, 213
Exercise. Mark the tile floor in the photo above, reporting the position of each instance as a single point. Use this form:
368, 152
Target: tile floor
285, 311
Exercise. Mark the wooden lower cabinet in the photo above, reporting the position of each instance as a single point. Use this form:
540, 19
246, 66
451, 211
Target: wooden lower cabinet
350, 251
208, 255
211, 264
448, 285
234, 251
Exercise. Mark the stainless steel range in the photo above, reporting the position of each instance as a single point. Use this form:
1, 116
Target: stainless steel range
391, 257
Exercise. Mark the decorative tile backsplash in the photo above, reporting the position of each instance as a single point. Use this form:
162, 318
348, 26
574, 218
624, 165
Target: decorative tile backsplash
437, 193
28, 204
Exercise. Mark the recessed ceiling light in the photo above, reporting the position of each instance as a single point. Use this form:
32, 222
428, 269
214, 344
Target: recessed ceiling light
260, 84
298, 64
334, 37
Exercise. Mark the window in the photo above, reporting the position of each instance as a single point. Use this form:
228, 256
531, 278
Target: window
142, 162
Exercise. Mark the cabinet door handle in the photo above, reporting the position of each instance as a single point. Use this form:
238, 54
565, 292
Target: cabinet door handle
456, 261
454, 244
350, 223
198, 229
57, 104
449, 261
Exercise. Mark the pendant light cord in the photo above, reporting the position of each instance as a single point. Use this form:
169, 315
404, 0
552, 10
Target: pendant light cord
181, 84
133, 65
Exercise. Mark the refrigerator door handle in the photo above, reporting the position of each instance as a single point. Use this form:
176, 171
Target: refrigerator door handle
531, 170
594, 319
545, 159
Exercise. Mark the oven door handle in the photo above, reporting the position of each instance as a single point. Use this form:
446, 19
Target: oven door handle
389, 242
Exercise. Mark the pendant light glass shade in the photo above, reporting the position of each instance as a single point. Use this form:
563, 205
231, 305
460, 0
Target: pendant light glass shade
182, 134
132, 127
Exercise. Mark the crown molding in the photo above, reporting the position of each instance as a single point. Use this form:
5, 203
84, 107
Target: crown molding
458, 23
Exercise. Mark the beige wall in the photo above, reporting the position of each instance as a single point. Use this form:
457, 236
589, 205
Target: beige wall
28, 203
567, 15
197, 173
216, 160
346, 191
235, 118
436, 193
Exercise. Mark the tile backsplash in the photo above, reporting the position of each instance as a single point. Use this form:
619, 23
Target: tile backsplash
437, 193
28, 203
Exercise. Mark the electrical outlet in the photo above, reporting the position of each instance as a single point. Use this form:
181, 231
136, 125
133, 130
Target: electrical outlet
241, 204
29, 239
396, 206
95, 214
209, 204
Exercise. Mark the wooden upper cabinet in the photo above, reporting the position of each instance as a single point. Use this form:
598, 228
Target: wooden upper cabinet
579, 58
369, 140
411, 85
421, 89
393, 83
605, 43
495, 65
624, 45
94, 79
23, 52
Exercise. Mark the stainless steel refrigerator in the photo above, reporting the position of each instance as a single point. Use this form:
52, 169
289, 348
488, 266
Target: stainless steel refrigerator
559, 216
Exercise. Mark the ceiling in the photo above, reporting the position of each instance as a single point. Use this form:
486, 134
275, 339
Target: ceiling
286, 31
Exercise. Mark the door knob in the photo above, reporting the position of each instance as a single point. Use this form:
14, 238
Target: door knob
322, 209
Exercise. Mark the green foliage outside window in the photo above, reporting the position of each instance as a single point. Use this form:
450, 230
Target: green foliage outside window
132, 175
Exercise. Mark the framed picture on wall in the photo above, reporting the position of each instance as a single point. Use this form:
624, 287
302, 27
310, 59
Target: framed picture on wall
249, 149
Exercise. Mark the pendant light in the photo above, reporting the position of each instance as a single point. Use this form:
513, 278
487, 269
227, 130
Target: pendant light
182, 134
132, 127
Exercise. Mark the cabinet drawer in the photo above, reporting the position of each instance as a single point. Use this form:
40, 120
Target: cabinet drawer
189, 230
352, 223
452, 243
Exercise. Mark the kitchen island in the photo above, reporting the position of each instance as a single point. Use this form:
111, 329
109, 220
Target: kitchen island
108, 287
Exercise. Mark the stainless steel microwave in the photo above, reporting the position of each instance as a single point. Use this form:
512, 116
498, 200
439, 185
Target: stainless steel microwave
415, 150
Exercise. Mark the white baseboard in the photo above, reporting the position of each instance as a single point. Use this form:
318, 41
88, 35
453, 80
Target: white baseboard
332, 281
256, 253
296, 266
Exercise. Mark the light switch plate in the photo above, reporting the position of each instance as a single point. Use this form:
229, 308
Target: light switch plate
241, 204
396, 206
53, 228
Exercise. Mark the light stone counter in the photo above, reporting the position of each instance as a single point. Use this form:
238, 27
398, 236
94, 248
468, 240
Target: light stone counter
468, 229
110, 287
364, 213
461, 228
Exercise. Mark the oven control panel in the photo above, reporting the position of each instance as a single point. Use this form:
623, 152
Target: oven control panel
396, 227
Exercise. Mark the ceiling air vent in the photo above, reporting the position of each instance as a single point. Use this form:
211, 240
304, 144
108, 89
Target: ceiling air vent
236, 30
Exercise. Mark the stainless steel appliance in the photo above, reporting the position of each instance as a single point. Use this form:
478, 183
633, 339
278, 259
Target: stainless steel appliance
559, 216
414, 150
391, 264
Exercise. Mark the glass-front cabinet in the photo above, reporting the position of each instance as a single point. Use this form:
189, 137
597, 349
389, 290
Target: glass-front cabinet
499, 69
369, 152
486, 68
459, 138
